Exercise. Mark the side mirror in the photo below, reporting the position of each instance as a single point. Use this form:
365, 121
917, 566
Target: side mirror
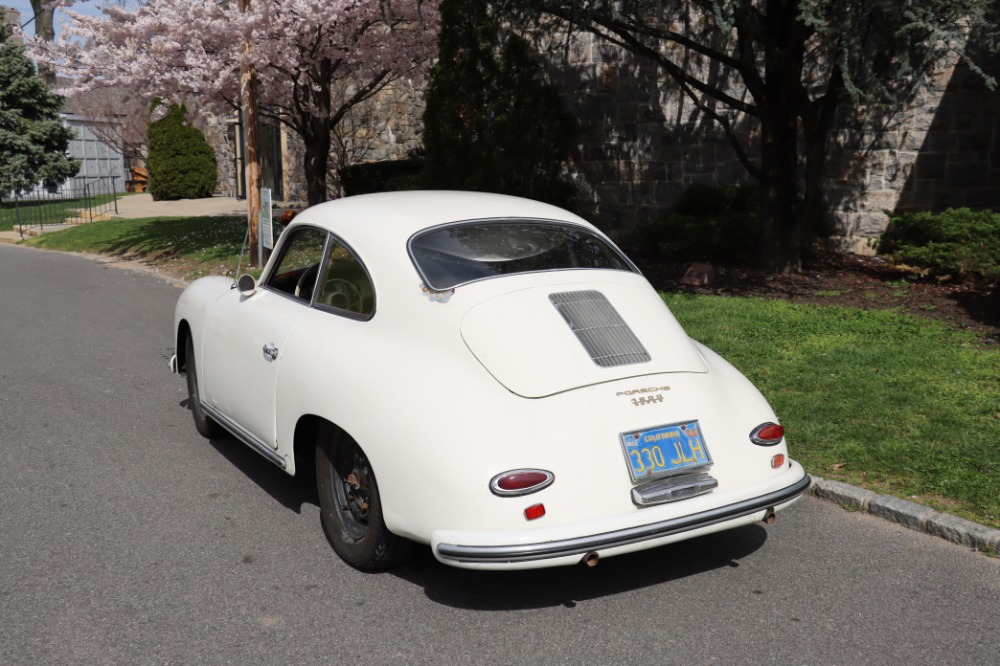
247, 285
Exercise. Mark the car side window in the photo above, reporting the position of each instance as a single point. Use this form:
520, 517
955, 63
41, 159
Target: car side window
344, 283
296, 270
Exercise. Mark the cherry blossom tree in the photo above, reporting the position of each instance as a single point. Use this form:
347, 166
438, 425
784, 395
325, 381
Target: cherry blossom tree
314, 59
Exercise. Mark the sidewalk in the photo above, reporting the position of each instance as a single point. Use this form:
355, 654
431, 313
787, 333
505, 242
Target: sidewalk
142, 205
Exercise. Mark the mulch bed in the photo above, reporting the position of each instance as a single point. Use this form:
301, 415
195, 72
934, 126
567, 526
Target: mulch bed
853, 281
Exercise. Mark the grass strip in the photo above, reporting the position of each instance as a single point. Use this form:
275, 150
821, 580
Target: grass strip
197, 246
881, 399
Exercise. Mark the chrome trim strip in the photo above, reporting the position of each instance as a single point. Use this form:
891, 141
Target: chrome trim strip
581, 545
242, 435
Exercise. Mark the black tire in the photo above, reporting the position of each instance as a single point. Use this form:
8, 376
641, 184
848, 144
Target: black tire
350, 506
202, 422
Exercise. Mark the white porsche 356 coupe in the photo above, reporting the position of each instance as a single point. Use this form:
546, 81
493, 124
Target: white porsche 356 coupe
484, 374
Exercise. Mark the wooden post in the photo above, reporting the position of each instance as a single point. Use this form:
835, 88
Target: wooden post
248, 92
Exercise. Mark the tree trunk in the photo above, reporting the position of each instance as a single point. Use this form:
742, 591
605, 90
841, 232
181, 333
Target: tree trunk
782, 225
317, 141
316, 129
44, 29
781, 233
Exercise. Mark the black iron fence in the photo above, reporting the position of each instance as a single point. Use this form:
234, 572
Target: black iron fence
78, 200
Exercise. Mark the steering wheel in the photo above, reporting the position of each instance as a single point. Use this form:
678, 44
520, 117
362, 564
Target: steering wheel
303, 289
341, 294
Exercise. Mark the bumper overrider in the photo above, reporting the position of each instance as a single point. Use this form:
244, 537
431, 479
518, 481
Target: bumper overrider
544, 553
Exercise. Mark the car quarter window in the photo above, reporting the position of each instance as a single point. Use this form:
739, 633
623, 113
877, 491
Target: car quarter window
296, 270
344, 284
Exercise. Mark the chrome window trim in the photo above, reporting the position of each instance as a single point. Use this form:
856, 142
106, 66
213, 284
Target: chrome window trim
331, 238
516, 220
272, 266
581, 545
347, 314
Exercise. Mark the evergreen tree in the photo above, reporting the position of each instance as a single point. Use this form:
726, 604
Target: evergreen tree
33, 137
491, 123
181, 163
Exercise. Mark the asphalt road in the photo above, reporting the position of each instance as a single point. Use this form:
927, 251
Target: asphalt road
125, 538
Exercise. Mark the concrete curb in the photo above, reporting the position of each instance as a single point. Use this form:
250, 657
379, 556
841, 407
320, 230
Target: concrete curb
908, 514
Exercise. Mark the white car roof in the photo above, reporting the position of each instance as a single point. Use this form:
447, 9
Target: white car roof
392, 217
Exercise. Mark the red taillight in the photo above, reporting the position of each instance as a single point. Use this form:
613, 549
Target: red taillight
520, 482
534, 511
767, 434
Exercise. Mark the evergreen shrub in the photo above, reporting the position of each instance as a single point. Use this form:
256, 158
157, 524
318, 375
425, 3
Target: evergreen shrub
181, 163
492, 122
380, 176
957, 241
707, 223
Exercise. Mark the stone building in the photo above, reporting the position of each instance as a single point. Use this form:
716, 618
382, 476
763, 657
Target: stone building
385, 127
643, 143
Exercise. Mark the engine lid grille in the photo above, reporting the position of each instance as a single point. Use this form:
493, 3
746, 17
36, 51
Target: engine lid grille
599, 328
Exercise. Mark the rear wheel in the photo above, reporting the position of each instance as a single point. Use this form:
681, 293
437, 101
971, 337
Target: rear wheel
350, 506
202, 422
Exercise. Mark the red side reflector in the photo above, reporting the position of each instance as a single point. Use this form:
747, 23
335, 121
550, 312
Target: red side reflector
777, 461
534, 511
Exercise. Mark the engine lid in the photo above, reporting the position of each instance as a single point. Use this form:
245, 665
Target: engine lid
547, 340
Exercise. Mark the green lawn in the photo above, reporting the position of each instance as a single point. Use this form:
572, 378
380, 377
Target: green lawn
47, 211
893, 402
202, 245
885, 400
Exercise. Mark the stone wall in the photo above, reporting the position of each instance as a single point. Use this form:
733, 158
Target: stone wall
643, 142
940, 151
386, 127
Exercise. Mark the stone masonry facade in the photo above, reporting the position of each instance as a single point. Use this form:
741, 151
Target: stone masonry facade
643, 142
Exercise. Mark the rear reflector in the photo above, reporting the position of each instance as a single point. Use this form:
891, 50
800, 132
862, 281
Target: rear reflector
777, 461
519, 482
534, 511
767, 434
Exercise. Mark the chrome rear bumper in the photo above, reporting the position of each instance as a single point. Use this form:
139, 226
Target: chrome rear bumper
456, 553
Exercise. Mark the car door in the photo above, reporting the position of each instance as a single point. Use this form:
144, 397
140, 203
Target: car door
245, 336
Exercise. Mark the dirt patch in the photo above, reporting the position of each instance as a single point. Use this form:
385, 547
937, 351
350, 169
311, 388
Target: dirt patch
852, 281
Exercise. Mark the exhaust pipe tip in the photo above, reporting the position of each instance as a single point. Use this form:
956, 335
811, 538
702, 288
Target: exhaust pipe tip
769, 516
590, 559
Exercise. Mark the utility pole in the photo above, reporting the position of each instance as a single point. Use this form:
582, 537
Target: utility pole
248, 93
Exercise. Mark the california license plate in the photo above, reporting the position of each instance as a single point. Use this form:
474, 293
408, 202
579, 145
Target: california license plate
665, 450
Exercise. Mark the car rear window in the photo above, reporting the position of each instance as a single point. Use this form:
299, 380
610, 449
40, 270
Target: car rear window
458, 253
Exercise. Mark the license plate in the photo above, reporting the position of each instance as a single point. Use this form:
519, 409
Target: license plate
665, 450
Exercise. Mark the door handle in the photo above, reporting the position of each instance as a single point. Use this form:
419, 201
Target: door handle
270, 352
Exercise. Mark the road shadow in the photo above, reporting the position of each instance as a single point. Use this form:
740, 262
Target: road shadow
292, 492
567, 586
518, 590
